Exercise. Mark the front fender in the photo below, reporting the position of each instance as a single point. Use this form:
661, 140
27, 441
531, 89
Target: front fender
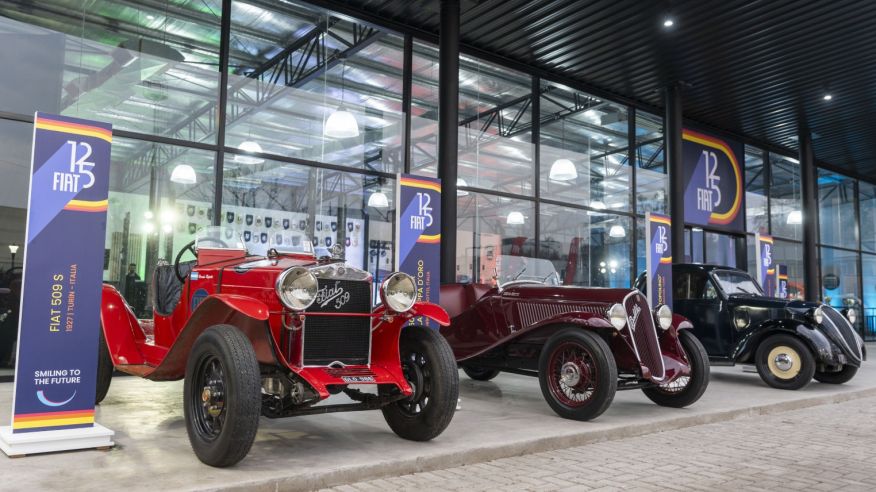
814, 339
427, 309
246, 314
679, 322
121, 330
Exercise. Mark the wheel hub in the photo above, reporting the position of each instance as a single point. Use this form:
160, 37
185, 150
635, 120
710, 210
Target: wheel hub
570, 374
784, 362
211, 398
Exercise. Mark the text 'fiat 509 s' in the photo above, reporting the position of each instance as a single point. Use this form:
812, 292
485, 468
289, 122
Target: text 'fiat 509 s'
583, 344
789, 341
276, 335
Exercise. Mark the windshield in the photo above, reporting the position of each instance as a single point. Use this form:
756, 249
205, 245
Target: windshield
218, 237
736, 283
517, 268
286, 242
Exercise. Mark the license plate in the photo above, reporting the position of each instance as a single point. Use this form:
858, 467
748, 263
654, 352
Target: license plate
357, 379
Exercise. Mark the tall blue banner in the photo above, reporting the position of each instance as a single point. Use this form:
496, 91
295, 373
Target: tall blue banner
659, 259
418, 245
714, 192
782, 274
766, 270
56, 367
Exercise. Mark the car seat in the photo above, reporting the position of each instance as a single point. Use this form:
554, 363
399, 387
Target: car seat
168, 288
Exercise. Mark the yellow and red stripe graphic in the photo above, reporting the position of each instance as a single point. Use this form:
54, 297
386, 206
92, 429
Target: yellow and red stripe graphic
666, 260
420, 183
715, 143
429, 238
660, 219
44, 123
52, 419
87, 206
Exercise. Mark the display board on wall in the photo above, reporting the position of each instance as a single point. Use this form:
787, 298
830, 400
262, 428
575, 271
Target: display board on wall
658, 262
766, 270
56, 366
714, 194
418, 223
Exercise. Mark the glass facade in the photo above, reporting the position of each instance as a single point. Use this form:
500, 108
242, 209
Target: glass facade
316, 128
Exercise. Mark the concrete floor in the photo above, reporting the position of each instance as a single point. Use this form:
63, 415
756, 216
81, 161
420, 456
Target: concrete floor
504, 417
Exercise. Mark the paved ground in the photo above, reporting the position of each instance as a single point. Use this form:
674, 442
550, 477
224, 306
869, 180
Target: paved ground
828, 447
502, 418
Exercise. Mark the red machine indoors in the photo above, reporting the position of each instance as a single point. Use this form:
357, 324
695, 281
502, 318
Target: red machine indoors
275, 335
583, 344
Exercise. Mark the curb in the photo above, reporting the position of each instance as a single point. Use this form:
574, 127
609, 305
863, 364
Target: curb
340, 476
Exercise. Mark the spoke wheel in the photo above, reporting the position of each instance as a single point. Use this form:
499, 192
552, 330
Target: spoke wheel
222, 395
430, 369
209, 397
577, 374
684, 390
573, 374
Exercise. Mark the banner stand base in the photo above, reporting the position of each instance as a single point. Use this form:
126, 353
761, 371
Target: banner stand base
25, 443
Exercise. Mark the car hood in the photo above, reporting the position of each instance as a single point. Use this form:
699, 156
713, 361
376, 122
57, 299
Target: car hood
566, 292
773, 303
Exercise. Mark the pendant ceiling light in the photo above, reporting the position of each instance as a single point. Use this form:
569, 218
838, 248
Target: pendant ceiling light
515, 218
795, 217
184, 174
461, 182
341, 123
378, 199
249, 146
563, 169
617, 231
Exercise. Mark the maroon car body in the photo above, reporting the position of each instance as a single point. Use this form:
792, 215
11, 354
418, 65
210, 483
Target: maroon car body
511, 328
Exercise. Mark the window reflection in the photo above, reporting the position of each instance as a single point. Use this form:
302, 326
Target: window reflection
756, 219
836, 208
786, 208
652, 183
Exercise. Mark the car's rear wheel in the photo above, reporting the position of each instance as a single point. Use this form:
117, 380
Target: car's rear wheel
430, 369
785, 362
222, 396
685, 390
577, 374
842, 376
104, 369
479, 373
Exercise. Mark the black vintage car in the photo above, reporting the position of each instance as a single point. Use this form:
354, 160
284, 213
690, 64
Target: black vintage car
789, 341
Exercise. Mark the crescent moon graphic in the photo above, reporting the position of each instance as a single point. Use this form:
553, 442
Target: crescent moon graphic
49, 403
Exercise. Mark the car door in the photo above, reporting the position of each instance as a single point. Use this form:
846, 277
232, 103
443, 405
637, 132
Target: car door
696, 297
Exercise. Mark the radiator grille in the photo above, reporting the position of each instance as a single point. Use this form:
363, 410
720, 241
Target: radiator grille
535, 312
644, 333
841, 331
345, 339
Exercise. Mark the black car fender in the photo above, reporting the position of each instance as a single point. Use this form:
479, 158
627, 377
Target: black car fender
813, 338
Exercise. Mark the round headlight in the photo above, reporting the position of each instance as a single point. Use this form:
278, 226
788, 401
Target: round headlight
398, 292
617, 316
297, 288
818, 315
851, 315
741, 318
664, 317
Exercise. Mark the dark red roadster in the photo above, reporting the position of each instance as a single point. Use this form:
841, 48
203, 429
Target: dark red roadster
275, 335
583, 344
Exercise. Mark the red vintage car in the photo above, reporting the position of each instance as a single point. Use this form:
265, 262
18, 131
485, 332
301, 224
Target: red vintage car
583, 344
275, 335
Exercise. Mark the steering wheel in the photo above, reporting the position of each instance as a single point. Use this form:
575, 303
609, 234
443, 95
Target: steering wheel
191, 247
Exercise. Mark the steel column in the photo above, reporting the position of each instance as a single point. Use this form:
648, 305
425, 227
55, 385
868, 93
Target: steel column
448, 126
672, 127
224, 46
808, 179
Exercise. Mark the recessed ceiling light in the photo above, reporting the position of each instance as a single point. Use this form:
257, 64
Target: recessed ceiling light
668, 22
828, 97
150, 17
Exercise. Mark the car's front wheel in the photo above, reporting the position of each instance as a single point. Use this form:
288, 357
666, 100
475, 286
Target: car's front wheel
430, 369
785, 362
685, 390
842, 376
577, 374
222, 396
479, 373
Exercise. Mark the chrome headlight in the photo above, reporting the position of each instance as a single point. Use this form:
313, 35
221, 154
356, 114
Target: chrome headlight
818, 315
664, 317
617, 316
741, 318
399, 292
297, 288
851, 315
